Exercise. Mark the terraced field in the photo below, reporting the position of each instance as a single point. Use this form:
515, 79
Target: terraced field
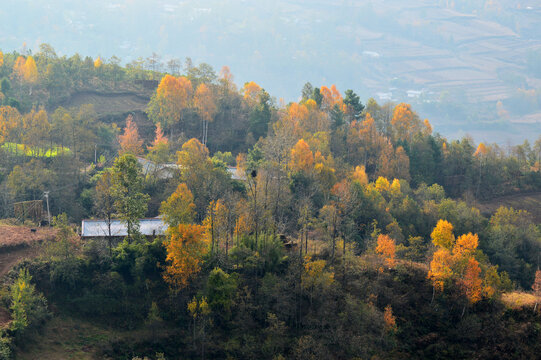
530, 202
109, 103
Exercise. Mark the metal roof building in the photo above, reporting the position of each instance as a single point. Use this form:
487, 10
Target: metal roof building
99, 228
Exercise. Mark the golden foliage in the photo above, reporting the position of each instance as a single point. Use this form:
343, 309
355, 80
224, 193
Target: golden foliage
185, 250
332, 97
481, 150
428, 127
440, 268
302, 158
193, 153
30, 71
517, 300
405, 122
172, 97
442, 235
205, 103
251, 90
359, 175
465, 244
315, 274
382, 184
387, 248
98, 63
395, 188
10, 119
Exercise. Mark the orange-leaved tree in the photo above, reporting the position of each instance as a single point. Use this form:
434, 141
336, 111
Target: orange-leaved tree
332, 98
405, 122
302, 158
455, 260
130, 143
386, 247
472, 280
172, 97
251, 90
159, 149
389, 319
185, 248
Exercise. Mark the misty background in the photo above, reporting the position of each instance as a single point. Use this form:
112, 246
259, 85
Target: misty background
469, 66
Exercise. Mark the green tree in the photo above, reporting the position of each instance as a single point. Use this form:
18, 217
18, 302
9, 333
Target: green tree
104, 200
354, 107
261, 115
130, 202
28, 307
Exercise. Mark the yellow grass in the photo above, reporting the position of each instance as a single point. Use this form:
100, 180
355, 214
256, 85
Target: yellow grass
517, 300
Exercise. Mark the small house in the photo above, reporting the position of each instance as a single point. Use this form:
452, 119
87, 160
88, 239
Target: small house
100, 228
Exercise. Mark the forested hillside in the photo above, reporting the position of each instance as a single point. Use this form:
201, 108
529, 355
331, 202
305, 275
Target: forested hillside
331, 227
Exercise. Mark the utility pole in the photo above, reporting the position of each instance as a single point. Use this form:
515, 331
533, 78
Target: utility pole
95, 154
46, 194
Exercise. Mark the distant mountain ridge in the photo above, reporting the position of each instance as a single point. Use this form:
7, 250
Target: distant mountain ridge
416, 51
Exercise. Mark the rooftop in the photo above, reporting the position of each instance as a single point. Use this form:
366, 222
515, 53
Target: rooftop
99, 228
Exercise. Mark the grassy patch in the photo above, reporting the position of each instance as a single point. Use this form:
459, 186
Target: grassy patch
21, 149
530, 202
517, 300
66, 338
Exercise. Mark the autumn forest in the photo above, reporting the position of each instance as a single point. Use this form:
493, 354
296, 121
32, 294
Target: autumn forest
332, 227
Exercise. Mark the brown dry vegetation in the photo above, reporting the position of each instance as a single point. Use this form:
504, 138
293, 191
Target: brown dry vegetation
109, 103
15, 236
5, 318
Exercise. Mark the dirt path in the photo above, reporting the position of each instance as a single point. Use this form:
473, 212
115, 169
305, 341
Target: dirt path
8, 259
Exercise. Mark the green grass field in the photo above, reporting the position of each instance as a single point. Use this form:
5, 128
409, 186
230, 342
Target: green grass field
21, 149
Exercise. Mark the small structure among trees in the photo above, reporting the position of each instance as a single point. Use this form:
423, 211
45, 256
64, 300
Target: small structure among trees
118, 228
32, 210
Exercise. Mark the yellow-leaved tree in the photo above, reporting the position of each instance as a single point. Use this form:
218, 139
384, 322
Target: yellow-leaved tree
455, 261
30, 71
172, 98
186, 247
98, 63
179, 208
